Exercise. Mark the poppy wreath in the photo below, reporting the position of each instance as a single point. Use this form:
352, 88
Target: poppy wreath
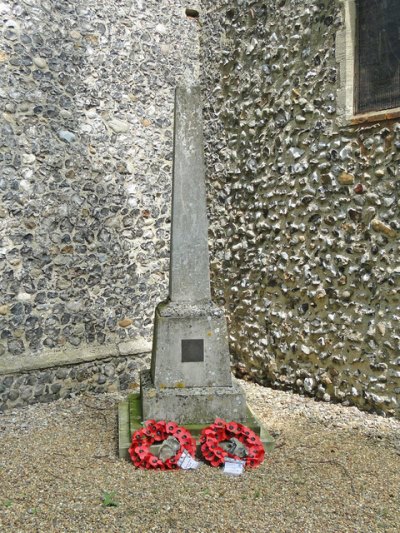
221, 431
154, 433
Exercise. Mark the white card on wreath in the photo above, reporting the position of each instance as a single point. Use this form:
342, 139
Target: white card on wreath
234, 467
186, 461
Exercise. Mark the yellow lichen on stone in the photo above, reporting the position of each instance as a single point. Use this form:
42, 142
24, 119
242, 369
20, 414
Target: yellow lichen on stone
4, 310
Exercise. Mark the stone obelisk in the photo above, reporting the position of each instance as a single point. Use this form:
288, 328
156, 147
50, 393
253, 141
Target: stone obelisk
190, 379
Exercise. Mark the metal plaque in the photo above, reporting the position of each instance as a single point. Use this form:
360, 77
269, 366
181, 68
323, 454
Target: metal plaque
377, 55
192, 351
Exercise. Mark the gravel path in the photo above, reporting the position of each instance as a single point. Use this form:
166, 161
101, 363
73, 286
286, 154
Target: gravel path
335, 469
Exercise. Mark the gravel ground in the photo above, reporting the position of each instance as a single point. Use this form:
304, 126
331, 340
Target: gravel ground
335, 469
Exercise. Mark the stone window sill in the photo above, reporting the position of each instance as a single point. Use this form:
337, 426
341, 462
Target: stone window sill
374, 116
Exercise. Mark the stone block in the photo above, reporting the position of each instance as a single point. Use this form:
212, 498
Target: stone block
190, 347
192, 405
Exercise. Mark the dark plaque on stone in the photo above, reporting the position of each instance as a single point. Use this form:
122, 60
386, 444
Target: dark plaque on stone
192, 351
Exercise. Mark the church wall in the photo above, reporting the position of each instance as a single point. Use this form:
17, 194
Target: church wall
304, 207
86, 116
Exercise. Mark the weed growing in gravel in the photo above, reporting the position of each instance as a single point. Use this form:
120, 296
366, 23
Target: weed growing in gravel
109, 499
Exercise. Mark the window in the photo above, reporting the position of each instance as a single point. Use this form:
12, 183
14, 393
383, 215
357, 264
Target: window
368, 53
377, 80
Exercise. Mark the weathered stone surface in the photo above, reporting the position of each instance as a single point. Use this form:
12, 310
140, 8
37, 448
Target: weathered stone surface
282, 227
193, 404
189, 268
120, 373
208, 325
190, 346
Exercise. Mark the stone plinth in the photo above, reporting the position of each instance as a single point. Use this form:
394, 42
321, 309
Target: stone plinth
190, 346
188, 405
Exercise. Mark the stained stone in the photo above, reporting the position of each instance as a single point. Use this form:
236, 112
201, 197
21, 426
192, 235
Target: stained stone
381, 227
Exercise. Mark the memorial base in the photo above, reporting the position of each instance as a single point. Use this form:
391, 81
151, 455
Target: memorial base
130, 418
200, 405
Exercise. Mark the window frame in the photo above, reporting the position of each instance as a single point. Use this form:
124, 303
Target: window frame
346, 50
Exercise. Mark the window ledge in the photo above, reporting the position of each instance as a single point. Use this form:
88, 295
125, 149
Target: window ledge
374, 116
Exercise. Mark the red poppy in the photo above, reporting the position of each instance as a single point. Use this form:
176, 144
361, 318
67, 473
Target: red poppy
219, 422
152, 460
141, 451
219, 452
177, 432
220, 433
159, 427
232, 427
174, 460
252, 439
150, 424
169, 464
171, 427
160, 432
183, 436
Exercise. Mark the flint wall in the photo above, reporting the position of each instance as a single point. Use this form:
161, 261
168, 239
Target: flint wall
86, 110
305, 209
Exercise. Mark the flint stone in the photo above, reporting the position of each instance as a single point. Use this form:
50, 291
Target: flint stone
118, 126
13, 395
66, 136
